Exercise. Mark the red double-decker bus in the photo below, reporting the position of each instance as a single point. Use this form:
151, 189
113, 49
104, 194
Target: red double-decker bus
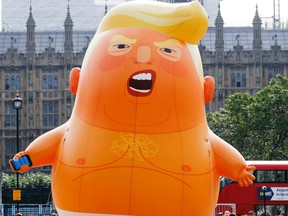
269, 191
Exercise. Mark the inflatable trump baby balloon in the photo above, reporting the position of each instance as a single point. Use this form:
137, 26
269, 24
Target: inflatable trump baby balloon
137, 142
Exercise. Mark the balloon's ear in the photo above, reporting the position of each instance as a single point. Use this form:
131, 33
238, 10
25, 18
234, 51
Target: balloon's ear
74, 79
209, 87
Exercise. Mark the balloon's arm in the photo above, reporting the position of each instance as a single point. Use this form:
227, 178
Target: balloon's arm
229, 162
40, 152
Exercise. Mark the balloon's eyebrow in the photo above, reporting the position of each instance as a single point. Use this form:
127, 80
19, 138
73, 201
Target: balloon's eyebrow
168, 42
123, 39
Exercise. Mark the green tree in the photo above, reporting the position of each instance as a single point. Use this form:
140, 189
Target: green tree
270, 121
256, 125
27, 180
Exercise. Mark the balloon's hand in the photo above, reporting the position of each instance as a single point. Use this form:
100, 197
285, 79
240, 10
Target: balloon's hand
245, 177
21, 162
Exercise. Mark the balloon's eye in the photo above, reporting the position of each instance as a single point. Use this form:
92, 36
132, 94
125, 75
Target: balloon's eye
122, 46
172, 53
117, 49
166, 50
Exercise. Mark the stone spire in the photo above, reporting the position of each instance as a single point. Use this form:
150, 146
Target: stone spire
219, 34
30, 40
257, 37
68, 25
68, 20
30, 21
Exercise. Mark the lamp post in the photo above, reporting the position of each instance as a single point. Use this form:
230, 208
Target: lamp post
264, 188
17, 105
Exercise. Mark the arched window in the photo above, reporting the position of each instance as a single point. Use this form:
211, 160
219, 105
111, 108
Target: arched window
233, 80
238, 80
7, 83
50, 113
244, 80
55, 85
12, 83
50, 82
55, 108
10, 115
18, 82
44, 82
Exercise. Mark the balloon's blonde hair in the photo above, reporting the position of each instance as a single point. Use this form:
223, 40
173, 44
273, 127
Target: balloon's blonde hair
184, 21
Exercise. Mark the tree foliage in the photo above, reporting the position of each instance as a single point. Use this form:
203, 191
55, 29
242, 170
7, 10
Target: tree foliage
26, 181
256, 125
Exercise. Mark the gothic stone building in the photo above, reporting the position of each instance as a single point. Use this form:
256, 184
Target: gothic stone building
36, 64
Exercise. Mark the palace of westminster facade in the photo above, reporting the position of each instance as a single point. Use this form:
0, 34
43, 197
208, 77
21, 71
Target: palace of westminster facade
36, 64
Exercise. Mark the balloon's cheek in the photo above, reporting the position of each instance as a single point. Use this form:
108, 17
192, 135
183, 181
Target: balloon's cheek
109, 62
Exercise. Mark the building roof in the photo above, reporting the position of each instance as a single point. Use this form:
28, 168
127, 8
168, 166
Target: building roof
245, 37
44, 39
83, 18
81, 39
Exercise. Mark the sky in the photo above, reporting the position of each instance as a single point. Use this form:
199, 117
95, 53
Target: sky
241, 12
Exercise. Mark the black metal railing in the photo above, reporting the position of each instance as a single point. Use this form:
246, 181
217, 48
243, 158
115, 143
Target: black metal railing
27, 209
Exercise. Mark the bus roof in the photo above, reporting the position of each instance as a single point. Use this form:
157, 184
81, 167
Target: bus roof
269, 165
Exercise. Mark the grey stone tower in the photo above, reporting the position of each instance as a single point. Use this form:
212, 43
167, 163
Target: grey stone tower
219, 37
68, 44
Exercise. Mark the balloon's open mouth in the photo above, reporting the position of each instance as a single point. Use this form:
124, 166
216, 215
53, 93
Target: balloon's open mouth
141, 83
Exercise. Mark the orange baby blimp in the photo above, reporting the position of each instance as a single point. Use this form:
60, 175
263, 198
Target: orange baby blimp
137, 142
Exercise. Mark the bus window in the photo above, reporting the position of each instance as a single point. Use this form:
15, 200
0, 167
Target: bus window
271, 210
260, 177
270, 175
280, 176
224, 181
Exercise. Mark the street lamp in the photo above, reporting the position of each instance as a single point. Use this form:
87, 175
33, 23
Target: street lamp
17, 105
264, 188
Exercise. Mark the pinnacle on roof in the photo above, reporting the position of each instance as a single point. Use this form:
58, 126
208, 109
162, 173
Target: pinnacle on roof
68, 20
219, 19
256, 18
30, 21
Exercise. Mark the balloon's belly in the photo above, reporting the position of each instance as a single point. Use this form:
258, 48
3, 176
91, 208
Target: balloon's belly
129, 177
